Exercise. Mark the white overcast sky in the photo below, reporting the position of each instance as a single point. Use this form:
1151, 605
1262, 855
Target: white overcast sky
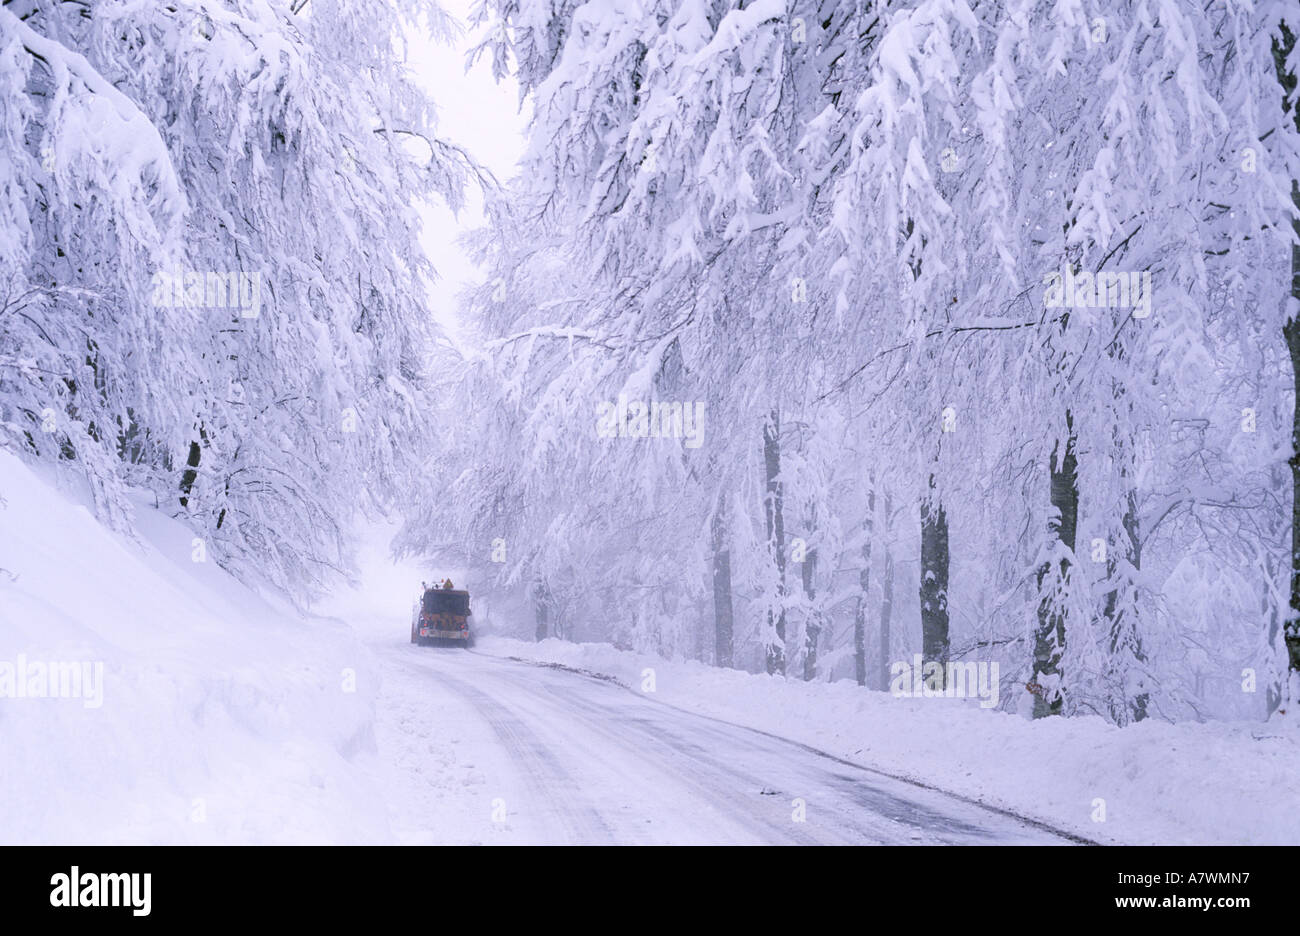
480, 115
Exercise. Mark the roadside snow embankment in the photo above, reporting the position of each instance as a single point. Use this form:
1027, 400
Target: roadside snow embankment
1154, 782
146, 697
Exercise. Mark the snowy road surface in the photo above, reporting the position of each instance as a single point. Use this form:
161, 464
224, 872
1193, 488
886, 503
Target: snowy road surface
489, 750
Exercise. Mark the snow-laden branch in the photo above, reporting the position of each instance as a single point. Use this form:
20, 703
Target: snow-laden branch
135, 142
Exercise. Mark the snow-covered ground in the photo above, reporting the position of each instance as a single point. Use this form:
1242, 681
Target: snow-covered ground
209, 714
547, 755
222, 717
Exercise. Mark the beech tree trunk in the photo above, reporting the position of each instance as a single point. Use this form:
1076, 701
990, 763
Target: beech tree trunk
864, 588
191, 472
812, 627
542, 608
1291, 330
773, 509
934, 580
886, 599
1049, 641
723, 621
1282, 50
1115, 612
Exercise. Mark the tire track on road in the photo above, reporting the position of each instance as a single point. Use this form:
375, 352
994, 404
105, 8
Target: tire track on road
544, 776
1037, 825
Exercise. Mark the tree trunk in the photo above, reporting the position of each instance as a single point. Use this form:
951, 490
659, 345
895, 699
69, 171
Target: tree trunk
1282, 50
1122, 631
1049, 641
812, 627
864, 588
191, 472
934, 580
1291, 330
722, 609
542, 607
860, 634
1274, 691
886, 598
773, 509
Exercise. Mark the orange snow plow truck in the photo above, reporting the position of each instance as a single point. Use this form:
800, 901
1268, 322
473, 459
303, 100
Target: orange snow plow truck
441, 616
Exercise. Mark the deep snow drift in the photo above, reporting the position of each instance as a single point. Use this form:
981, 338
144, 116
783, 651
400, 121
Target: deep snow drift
223, 717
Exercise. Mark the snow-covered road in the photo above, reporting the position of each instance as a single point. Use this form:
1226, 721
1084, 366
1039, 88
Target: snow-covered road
484, 749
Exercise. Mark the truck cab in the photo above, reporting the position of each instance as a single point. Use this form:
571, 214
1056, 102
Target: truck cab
441, 617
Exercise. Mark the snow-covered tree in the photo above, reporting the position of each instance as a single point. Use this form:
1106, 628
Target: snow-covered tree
217, 290
982, 301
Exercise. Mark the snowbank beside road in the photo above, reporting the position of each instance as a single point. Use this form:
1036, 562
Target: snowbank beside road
1160, 783
220, 717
